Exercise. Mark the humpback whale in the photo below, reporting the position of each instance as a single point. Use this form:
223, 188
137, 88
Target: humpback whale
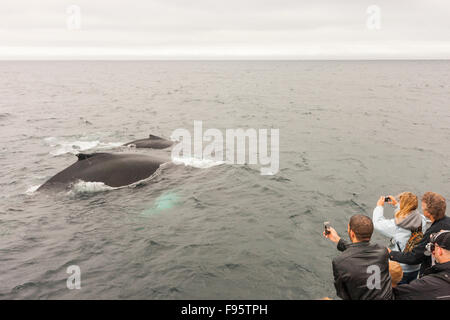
114, 170
153, 142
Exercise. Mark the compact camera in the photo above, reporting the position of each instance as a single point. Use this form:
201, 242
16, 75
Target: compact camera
429, 248
326, 226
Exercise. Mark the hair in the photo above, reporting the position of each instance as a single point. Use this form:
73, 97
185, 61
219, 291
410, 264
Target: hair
408, 203
435, 204
396, 272
362, 226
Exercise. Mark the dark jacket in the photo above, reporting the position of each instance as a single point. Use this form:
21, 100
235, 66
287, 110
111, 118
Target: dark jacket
353, 268
434, 285
417, 255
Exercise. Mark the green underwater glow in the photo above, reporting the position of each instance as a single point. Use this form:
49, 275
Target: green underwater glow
166, 201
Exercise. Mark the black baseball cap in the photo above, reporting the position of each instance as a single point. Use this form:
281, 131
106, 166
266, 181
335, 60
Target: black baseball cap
443, 240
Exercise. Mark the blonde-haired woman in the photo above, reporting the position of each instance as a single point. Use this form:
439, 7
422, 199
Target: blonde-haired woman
400, 228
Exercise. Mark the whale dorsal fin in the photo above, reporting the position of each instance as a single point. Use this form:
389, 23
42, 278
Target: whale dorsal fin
82, 156
152, 137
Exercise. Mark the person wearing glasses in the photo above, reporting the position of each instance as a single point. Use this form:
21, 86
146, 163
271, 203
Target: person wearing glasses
433, 208
435, 283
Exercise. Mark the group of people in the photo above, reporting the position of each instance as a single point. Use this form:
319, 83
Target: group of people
415, 265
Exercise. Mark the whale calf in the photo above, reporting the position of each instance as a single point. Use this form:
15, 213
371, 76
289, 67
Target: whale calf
114, 170
153, 142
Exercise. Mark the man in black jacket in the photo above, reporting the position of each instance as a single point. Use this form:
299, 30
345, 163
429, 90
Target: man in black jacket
433, 207
361, 272
435, 284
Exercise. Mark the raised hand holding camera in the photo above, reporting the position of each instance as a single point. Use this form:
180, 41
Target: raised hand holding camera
392, 200
330, 233
386, 199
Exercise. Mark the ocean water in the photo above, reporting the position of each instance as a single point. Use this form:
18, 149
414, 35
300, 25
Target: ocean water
350, 131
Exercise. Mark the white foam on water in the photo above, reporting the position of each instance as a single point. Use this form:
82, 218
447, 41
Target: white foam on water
196, 163
32, 189
75, 147
89, 187
51, 141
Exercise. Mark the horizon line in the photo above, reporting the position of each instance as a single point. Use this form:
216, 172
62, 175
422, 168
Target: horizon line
219, 59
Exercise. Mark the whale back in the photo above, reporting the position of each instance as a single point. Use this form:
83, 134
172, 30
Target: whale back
152, 142
114, 170
83, 156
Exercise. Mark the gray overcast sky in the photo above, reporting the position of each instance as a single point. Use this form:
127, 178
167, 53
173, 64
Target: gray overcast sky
226, 29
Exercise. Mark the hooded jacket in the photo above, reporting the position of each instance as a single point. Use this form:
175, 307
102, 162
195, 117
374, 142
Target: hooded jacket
434, 285
399, 230
356, 267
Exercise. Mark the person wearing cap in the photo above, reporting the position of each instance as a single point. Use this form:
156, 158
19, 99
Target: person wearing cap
433, 207
435, 284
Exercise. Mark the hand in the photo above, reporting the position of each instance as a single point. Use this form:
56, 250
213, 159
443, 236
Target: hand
332, 235
393, 201
389, 250
380, 201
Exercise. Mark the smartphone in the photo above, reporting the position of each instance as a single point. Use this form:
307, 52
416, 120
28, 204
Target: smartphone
326, 225
387, 199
